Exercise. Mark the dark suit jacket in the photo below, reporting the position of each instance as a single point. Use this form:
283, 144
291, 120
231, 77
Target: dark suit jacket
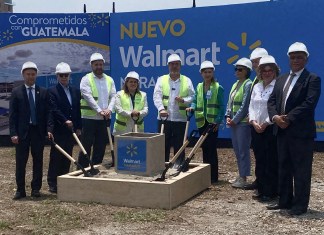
300, 105
19, 112
62, 110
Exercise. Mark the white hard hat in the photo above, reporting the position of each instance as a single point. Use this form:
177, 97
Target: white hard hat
244, 62
96, 56
297, 46
133, 74
29, 65
267, 59
63, 68
207, 65
173, 58
258, 53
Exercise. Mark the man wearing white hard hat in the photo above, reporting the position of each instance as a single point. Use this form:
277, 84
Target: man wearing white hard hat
264, 143
130, 106
98, 93
236, 119
29, 124
64, 101
173, 93
209, 108
291, 107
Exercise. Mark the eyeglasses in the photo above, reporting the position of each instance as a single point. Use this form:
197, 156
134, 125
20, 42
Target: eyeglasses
64, 75
267, 71
238, 69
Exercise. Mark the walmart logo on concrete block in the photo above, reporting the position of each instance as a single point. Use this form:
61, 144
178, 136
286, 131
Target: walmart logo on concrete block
131, 155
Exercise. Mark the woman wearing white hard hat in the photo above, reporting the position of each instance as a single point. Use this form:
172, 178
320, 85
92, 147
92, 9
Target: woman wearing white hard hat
236, 119
264, 143
208, 105
131, 106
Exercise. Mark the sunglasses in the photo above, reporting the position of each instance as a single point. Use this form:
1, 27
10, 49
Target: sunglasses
238, 69
64, 75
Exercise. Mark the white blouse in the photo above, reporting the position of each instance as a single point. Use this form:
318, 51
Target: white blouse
258, 110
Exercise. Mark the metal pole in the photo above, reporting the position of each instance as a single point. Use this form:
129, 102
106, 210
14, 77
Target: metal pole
84, 8
113, 9
194, 3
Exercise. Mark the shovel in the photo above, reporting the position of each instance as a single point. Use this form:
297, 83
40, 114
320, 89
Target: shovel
163, 119
93, 171
135, 119
85, 173
189, 114
175, 157
185, 164
110, 143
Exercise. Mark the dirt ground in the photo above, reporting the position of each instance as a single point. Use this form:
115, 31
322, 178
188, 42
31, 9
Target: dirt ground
218, 210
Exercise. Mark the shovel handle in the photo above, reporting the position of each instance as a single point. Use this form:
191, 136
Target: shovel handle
63, 152
79, 143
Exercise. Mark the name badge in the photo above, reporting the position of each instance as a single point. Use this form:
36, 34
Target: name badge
208, 94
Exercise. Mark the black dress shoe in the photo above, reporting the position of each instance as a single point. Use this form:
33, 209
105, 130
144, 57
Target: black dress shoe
251, 186
18, 195
52, 189
266, 199
35, 193
276, 207
297, 211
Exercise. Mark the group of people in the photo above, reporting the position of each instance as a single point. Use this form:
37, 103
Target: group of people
275, 113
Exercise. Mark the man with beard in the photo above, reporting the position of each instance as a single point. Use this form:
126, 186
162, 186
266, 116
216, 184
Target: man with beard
97, 102
173, 93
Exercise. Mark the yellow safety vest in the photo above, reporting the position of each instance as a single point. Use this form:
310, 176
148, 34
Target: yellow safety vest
86, 110
139, 102
212, 108
183, 92
238, 98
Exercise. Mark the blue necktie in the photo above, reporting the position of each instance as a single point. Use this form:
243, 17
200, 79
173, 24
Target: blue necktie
32, 106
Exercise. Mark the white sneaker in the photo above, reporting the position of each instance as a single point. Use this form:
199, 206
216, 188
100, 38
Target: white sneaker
232, 181
240, 183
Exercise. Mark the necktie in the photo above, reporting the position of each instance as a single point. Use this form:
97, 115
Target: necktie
32, 106
285, 93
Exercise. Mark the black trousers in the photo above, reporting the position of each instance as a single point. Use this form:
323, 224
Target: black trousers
266, 161
209, 148
295, 170
94, 135
35, 142
174, 133
59, 164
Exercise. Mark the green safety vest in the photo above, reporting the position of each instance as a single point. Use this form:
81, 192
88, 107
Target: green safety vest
212, 108
86, 110
238, 98
166, 92
139, 102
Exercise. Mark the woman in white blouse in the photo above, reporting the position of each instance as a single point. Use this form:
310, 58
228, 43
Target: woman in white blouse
264, 142
130, 106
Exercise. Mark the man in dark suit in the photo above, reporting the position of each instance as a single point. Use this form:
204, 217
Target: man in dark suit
29, 123
65, 109
291, 107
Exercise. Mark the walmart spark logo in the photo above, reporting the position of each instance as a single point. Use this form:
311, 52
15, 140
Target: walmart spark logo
236, 48
131, 150
7, 35
98, 19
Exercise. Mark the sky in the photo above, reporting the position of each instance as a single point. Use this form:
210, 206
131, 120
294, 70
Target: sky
95, 6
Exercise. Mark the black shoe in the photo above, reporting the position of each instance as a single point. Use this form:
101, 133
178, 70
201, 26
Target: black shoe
276, 207
266, 199
297, 211
35, 193
18, 195
251, 186
257, 196
52, 189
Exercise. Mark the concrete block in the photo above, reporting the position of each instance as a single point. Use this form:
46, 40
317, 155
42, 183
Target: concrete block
139, 153
135, 193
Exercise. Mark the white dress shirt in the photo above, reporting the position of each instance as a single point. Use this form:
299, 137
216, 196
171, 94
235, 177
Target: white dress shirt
293, 82
258, 110
173, 106
106, 100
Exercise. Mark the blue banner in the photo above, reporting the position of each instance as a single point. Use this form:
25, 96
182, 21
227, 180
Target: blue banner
142, 41
48, 39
